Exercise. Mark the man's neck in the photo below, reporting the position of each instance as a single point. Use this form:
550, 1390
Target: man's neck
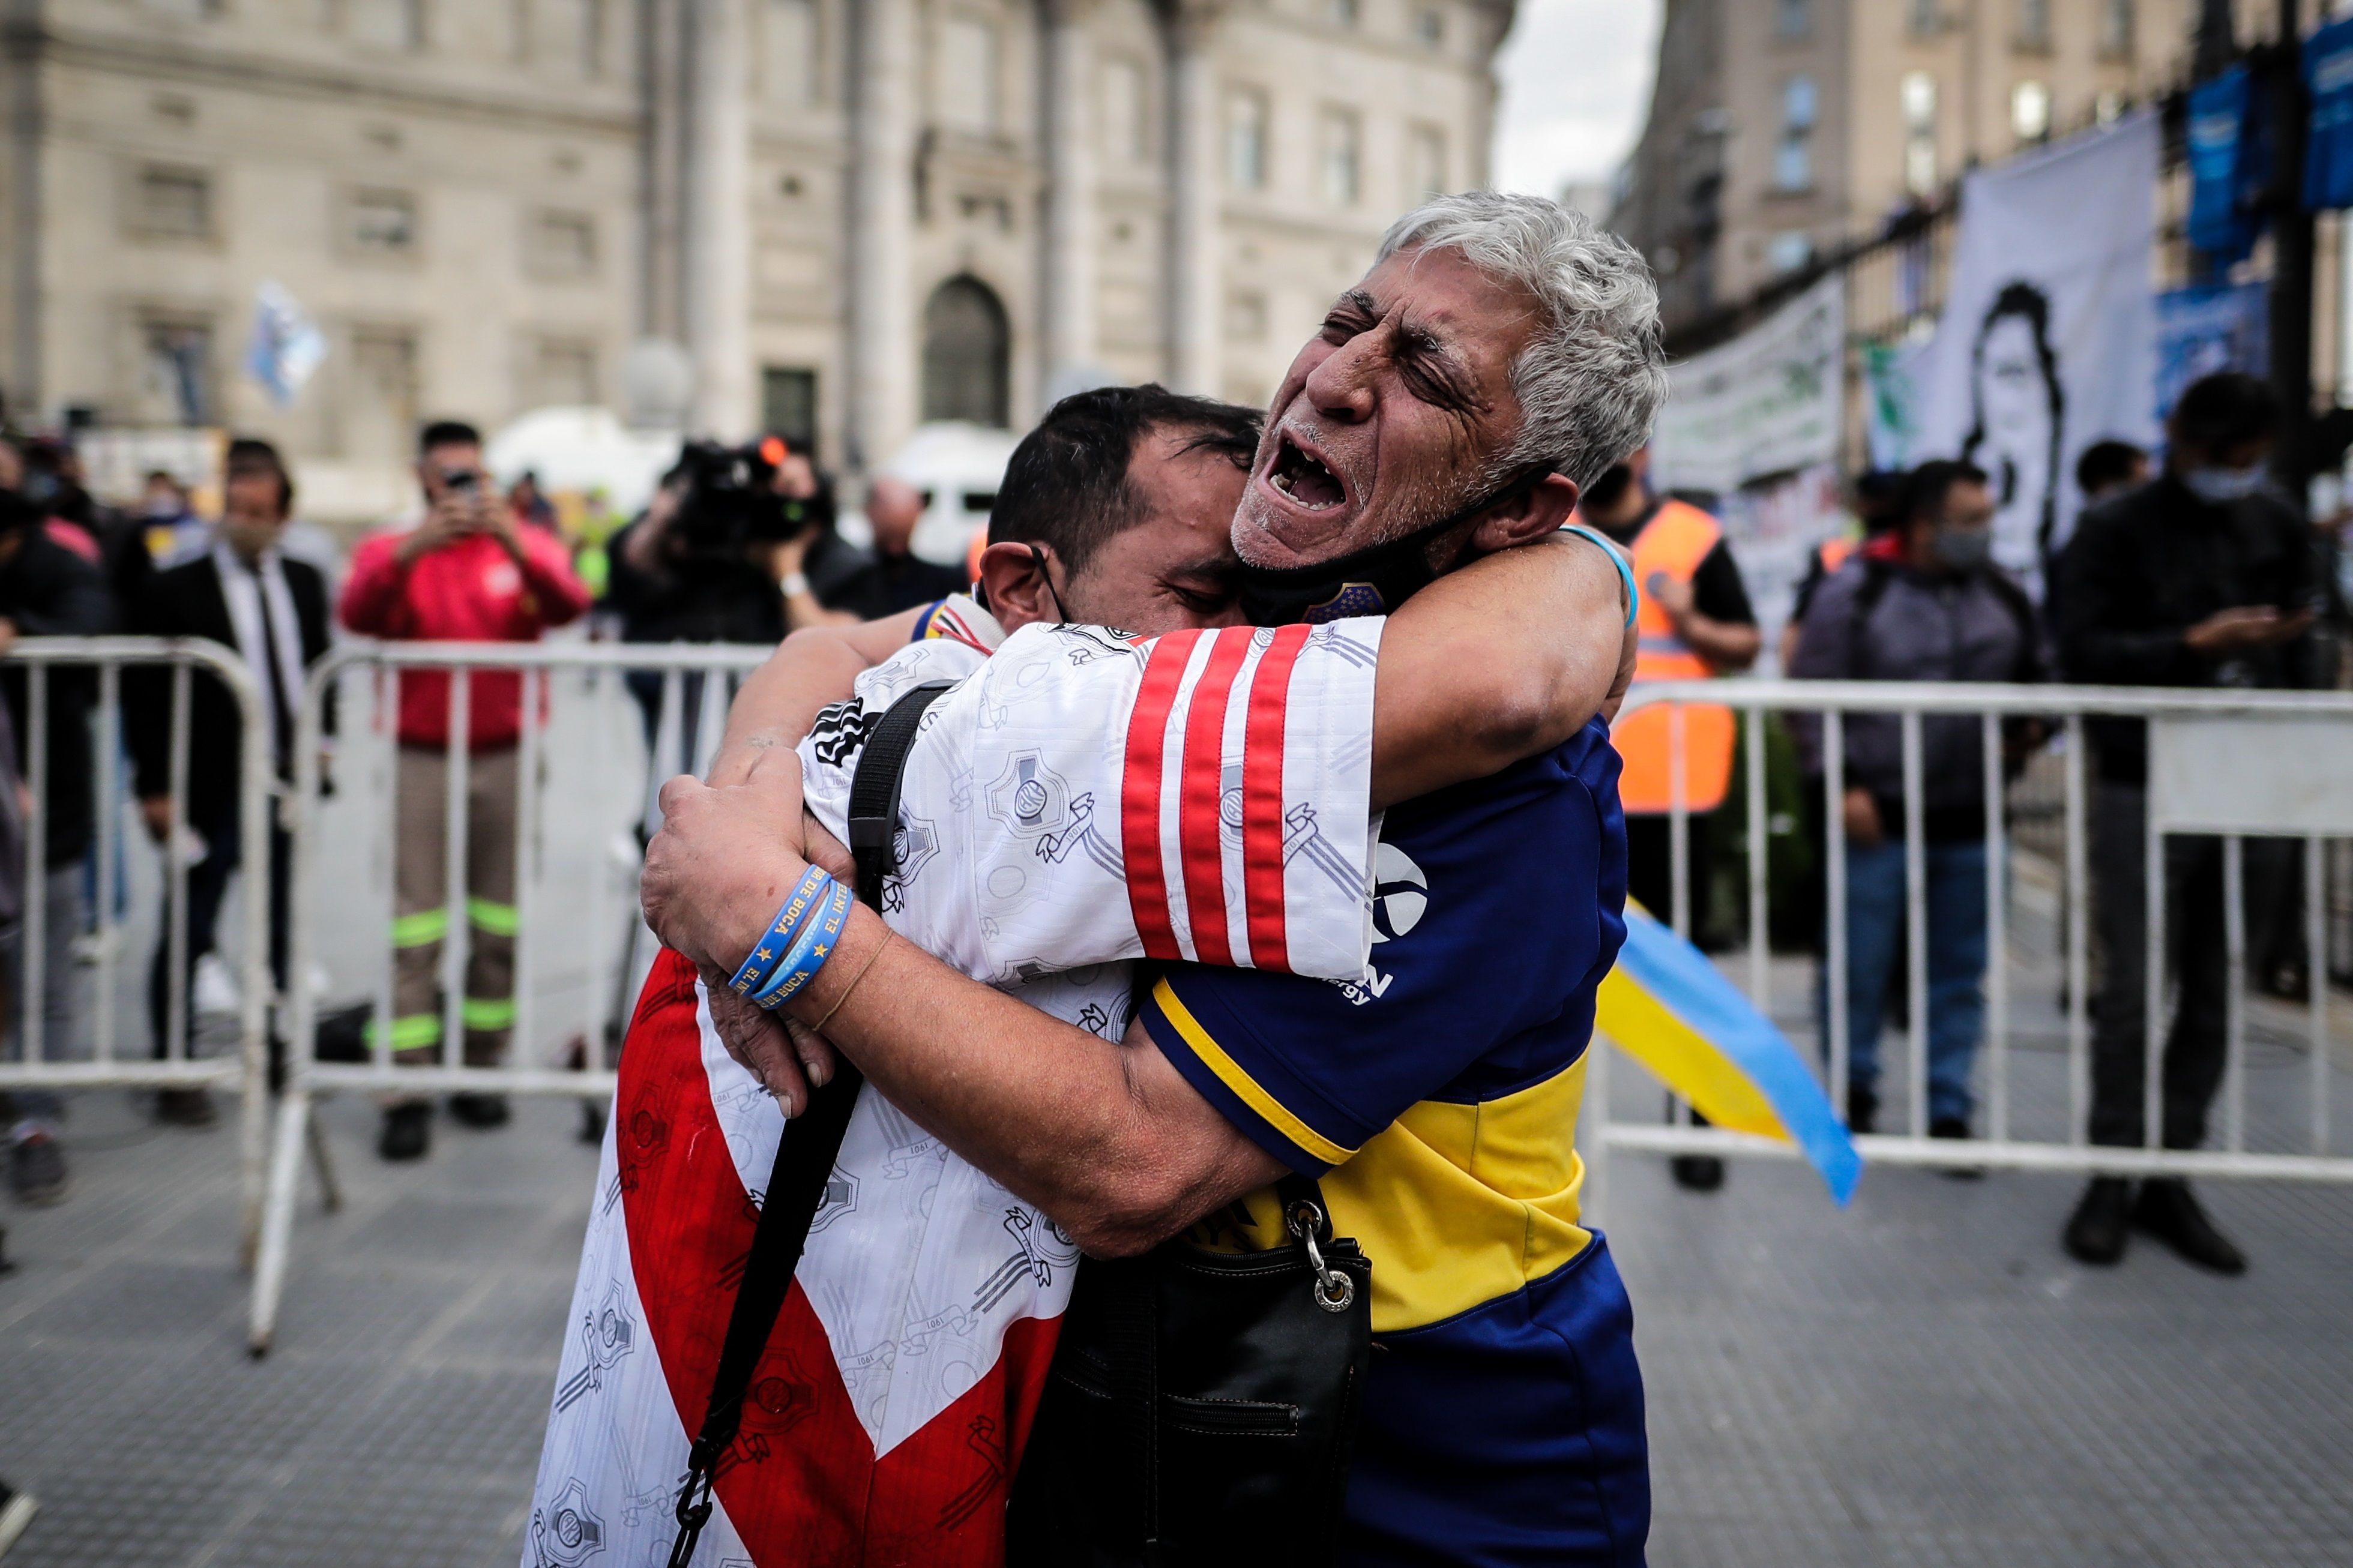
1627, 519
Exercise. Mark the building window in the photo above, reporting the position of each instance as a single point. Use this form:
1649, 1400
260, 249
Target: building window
176, 372
789, 405
384, 223
387, 24
1790, 252
1924, 18
1343, 157
172, 202
968, 354
1793, 158
380, 413
1425, 164
2117, 29
563, 375
1246, 115
1919, 92
788, 51
967, 89
2034, 25
1345, 12
2030, 110
563, 243
1124, 109
1793, 19
1429, 25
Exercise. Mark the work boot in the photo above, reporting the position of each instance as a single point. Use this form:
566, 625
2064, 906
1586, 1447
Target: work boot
1956, 1127
186, 1108
1862, 1109
2095, 1233
2168, 1212
37, 1169
407, 1130
480, 1109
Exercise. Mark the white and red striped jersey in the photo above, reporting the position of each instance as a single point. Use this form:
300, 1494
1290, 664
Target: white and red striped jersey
1078, 801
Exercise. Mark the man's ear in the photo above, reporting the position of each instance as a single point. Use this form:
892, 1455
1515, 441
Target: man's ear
1018, 595
1527, 517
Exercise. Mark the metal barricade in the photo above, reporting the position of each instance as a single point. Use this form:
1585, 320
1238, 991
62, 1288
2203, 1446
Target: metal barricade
688, 684
120, 1057
2230, 765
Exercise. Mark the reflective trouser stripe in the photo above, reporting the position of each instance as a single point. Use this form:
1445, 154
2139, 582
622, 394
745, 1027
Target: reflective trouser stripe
420, 929
494, 919
489, 1013
412, 1033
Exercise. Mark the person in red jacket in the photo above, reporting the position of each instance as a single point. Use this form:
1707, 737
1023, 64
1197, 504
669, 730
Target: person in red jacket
468, 572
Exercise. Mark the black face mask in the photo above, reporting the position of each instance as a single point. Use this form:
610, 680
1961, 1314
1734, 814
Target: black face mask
1374, 581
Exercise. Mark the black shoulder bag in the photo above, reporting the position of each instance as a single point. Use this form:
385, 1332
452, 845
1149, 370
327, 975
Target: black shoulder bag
1201, 1405
812, 1141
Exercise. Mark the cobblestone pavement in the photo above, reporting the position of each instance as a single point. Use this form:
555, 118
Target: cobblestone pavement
1922, 1379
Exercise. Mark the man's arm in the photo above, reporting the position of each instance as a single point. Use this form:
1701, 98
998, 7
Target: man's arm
1502, 659
1106, 1137
810, 670
1711, 613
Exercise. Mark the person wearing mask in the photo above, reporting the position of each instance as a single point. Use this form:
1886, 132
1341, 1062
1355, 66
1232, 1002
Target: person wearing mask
1695, 623
467, 572
169, 525
49, 589
2205, 577
246, 594
897, 580
1921, 601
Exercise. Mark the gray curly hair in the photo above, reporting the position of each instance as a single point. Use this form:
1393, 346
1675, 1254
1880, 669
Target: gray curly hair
1590, 384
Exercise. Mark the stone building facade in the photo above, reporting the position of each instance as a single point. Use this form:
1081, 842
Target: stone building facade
1779, 129
852, 214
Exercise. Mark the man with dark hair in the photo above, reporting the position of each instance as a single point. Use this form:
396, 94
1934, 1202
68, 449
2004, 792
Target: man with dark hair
466, 571
274, 611
2205, 577
2110, 467
1922, 601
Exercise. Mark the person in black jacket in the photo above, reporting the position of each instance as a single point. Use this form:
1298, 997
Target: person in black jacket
273, 611
48, 589
2202, 577
897, 579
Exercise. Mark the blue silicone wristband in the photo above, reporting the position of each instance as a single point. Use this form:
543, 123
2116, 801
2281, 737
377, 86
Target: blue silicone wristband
810, 951
760, 964
1617, 559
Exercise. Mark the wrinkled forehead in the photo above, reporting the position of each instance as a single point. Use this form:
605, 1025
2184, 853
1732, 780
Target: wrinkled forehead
1443, 300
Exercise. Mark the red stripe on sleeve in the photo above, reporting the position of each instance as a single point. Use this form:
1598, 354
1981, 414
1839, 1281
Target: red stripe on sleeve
1197, 819
1139, 801
1262, 752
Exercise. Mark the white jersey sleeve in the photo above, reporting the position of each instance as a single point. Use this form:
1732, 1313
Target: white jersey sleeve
1202, 797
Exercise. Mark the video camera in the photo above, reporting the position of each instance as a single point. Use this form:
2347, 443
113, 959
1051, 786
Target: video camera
730, 500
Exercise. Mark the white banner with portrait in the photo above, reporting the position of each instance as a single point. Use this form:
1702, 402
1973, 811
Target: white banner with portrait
1768, 402
2048, 343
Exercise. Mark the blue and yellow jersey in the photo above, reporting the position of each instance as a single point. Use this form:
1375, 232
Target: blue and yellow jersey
1437, 1099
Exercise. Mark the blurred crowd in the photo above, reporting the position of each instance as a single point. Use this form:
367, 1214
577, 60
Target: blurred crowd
736, 545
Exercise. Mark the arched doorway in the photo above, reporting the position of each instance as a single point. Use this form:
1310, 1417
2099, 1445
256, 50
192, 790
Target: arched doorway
967, 353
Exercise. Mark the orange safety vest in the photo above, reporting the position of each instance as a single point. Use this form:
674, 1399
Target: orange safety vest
1674, 542
1835, 552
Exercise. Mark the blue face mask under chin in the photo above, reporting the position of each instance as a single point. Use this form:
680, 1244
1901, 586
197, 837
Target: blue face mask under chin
2220, 487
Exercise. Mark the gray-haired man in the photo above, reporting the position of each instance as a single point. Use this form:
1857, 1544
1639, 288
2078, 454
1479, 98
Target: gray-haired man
1500, 355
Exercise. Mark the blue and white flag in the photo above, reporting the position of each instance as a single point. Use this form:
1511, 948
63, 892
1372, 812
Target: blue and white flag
286, 347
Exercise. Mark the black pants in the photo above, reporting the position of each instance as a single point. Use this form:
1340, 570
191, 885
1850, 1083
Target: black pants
208, 886
2192, 1062
1651, 870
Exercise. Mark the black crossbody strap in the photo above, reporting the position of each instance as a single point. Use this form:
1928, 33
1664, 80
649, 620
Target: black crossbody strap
811, 1143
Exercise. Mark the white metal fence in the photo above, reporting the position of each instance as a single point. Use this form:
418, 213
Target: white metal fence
120, 1054
681, 690
2232, 765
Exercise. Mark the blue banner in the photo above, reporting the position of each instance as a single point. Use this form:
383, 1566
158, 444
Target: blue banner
2328, 152
2202, 330
2220, 222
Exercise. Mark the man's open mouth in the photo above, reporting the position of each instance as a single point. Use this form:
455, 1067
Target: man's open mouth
1303, 478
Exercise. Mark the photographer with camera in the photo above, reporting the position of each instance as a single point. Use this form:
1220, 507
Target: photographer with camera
467, 572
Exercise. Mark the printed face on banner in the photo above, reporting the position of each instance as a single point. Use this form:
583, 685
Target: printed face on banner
2018, 433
